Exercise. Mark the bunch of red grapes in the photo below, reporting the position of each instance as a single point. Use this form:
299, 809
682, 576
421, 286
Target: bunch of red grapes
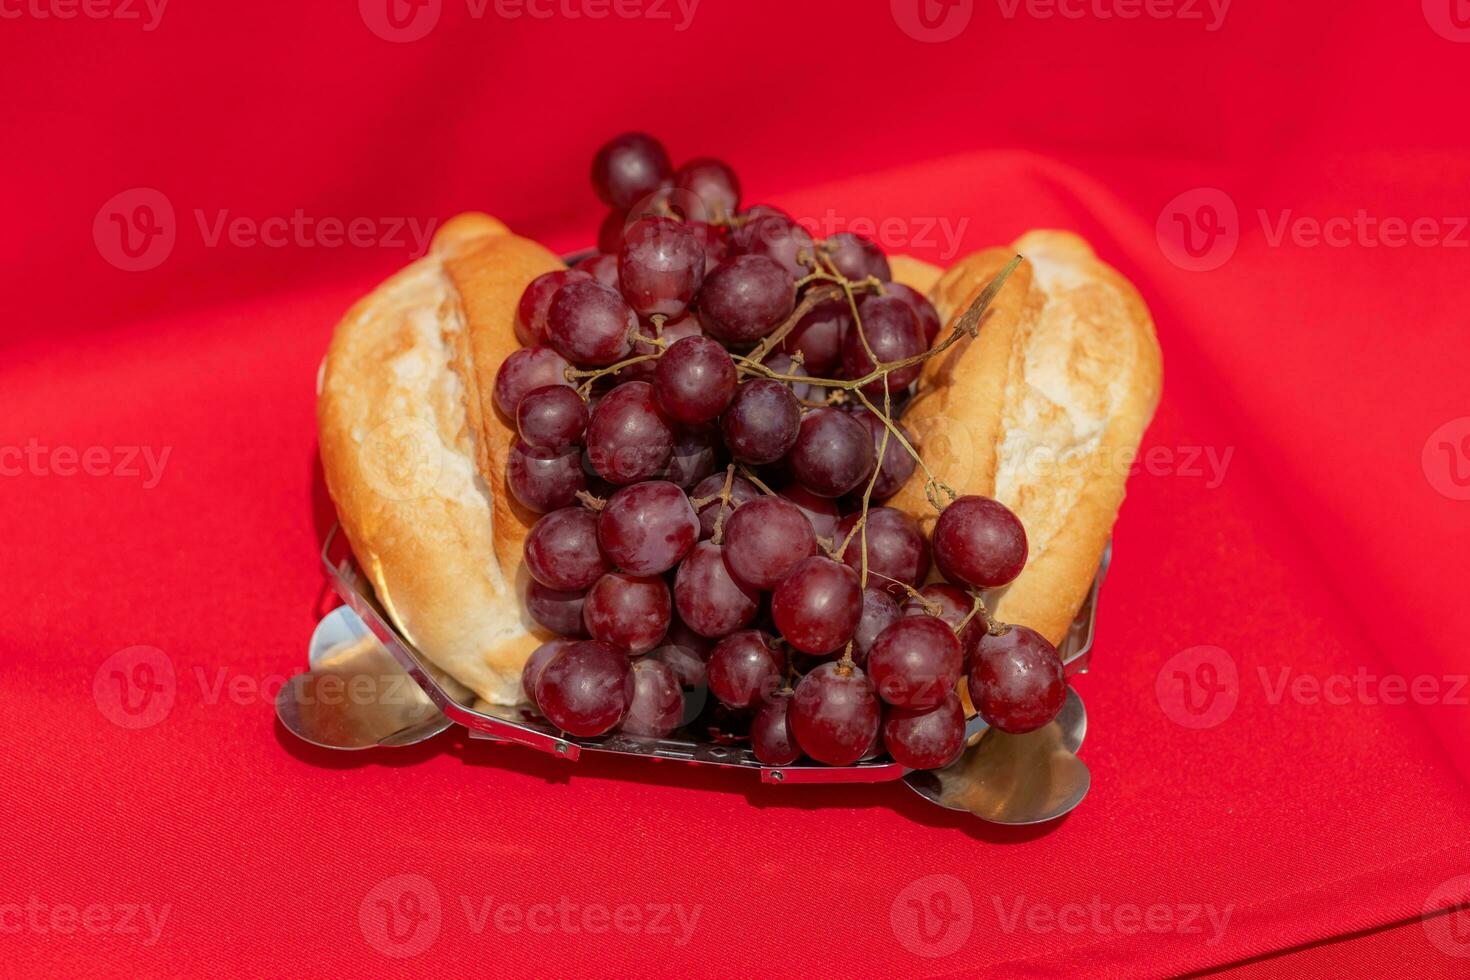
666, 384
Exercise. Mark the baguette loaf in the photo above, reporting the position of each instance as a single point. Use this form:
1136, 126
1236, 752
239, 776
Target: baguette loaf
1043, 411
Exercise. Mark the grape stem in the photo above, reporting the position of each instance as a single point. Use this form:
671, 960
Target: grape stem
592, 503
726, 505
992, 626
759, 485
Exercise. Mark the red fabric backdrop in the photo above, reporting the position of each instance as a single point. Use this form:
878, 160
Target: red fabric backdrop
1302, 518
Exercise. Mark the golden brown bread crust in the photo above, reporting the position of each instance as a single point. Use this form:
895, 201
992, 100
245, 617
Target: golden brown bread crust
414, 451
1043, 411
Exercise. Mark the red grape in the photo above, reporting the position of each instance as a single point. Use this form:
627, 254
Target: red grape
821, 511
610, 233
762, 423
926, 738
856, 257
561, 550
765, 538
1016, 679
658, 703
770, 733
779, 238
879, 611
897, 549
603, 268
915, 662
629, 611
716, 246
536, 663
695, 455
955, 606
713, 182
660, 267
896, 466
671, 333
695, 380
893, 333
923, 309
685, 651
745, 298
816, 607
979, 543
710, 600
744, 670
590, 323
646, 529
553, 417
535, 304
585, 689
543, 480
833, 454
834, 714
710, 487
523, 372
560, 612
818, 336
629, 438
628, 167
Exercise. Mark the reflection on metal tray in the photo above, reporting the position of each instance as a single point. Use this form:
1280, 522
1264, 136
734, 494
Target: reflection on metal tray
509, 724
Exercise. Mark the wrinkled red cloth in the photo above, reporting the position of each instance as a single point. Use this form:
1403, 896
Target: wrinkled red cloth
1278, 724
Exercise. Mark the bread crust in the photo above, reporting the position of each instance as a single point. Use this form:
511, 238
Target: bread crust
1043, 411
414, 452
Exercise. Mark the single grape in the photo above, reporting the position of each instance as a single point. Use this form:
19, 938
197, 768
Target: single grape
741, 231
915, 662
923, 309
629, 438
953, 606
695, 455
893, 333
629, 611
710, 600
536, 663
695, 380
671, 333
818, 336
523, 372
821, 511
553, 418
628, 167
788, 243
762, 423
710, 487
896, 465
589, 323
926, 738
765, 538
560, 612
746, 297
782, 363
561, 550
610, 232
898, 552
603, 268
834, 714
660, 267
543, 480
744, 669
535, 304
585, 689
856, 257
647, 528
833, 454
770, 733
1016, 679
880, 610
657, 707
714, 182
979, 543
817, 605
685, 651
